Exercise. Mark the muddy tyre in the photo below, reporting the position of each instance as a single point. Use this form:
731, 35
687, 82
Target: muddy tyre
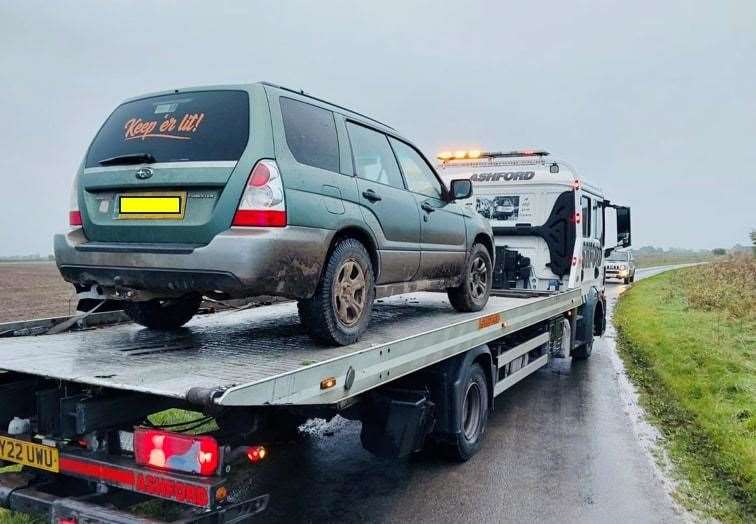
472, 414
339, 311
164, 314
472, 294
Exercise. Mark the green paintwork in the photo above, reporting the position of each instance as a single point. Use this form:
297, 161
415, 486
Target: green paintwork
411, 243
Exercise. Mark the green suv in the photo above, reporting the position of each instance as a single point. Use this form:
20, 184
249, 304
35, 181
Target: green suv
235, 191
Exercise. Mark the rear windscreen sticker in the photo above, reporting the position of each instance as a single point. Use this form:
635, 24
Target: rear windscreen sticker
170, 127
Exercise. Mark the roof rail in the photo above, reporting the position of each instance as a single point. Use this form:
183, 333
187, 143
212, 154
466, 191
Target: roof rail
302, 93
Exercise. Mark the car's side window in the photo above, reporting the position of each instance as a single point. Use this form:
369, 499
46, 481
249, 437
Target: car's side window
373, 158
585, 204
417, 173
310, 134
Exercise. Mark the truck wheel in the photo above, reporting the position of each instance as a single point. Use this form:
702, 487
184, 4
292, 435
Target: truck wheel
339, 311
583, 351
472, 416
472, 294
169, 313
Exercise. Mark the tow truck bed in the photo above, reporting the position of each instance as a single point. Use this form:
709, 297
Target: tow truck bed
262, 356
246, 358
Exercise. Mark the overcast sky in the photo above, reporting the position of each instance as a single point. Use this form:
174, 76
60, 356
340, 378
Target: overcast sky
653, 101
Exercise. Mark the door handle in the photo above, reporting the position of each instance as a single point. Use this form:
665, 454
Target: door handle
427, 207
371, 195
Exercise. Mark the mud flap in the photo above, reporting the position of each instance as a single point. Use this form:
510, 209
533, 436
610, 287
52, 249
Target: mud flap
397, 423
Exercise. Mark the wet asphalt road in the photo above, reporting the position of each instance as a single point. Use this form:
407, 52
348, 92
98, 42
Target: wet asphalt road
559, 448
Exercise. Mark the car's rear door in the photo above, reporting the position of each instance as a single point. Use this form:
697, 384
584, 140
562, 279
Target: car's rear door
158, 169
443, 234
389, 209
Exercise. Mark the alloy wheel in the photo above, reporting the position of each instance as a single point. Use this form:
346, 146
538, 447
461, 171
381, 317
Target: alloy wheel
349, 292
478, 277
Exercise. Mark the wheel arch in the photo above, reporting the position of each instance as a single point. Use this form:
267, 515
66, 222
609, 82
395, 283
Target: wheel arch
364, 237
488, 242
445, 381
486, 362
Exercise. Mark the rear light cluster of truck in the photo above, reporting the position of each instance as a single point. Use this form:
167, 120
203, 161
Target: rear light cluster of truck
262, 203
198, 454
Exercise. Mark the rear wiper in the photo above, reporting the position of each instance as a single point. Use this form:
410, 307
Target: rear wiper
133, 158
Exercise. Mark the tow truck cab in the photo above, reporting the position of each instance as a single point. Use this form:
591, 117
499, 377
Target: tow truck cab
548, 224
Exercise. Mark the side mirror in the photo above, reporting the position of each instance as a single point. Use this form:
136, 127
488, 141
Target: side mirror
460, 189
624, 237
608, 251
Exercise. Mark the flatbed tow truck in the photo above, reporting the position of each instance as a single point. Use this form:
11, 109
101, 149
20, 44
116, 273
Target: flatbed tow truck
69, 403
75, 407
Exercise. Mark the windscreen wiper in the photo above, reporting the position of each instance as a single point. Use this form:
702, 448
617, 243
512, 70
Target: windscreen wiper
133, 158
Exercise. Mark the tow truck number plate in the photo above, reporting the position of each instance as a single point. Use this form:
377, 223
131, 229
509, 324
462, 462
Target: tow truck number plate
29, 454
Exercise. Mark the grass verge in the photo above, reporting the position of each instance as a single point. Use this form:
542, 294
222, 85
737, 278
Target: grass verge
668, 260
688, 339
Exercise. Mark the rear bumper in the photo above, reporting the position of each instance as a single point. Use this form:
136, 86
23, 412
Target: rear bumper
19, 492
240, 262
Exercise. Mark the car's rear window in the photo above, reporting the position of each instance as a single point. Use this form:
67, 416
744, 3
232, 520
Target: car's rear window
182, 127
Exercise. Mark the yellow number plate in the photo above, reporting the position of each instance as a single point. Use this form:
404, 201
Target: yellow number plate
152, 206
29, 454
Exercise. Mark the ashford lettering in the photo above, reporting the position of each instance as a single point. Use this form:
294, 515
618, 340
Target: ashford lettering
136, 128
502, 175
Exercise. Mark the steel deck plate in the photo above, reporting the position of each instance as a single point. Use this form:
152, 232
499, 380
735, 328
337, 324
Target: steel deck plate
262, 356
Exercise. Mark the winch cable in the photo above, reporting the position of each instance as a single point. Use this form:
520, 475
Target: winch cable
67, 324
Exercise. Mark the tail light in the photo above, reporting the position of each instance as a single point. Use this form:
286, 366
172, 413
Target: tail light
74, 218
256, 453
262, 203
198, 454
74, 215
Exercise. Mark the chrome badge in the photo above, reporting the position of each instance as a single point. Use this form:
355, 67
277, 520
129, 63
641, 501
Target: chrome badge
143, 173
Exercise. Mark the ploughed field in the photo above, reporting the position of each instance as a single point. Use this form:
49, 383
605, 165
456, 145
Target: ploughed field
34, 290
